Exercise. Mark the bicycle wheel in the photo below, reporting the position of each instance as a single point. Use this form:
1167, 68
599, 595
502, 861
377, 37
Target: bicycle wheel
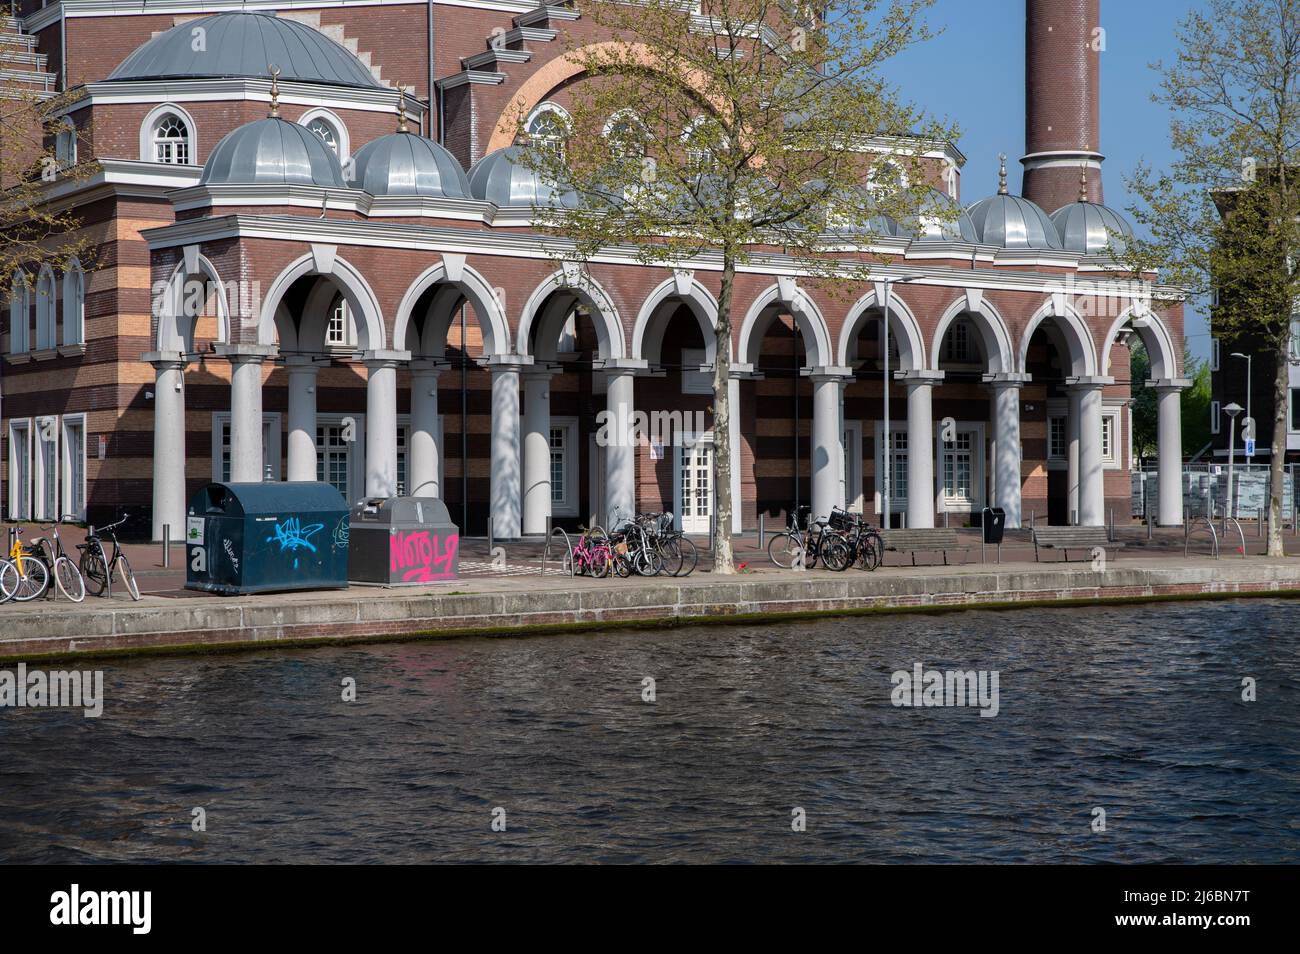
33, 580
68, 578
690, 557
127, 577
783, 548
835, 553
600, 563
670, 556
647, 561
569, 565
8, 580
94, 572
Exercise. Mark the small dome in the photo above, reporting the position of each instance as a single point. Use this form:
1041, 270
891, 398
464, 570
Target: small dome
245, 45
502, 177
932, 221
1009, 221
403, 163
1088, 227
272, 151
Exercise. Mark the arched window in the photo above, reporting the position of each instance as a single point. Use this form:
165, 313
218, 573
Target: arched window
171, 140
46, 310
548, 126
704, 139
74, 304
20, 304
65, 142
340, 328
330, 129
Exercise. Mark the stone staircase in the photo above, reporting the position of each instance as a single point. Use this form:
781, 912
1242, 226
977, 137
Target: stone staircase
20, 64
336, 33
507, 47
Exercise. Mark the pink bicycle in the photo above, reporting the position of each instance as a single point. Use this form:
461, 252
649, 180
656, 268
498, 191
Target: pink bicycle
591, 554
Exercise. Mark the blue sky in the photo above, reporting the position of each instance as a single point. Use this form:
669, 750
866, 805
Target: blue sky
974, 74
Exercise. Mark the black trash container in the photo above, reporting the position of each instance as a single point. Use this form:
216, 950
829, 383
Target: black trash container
256, 538
399, 541
995, 524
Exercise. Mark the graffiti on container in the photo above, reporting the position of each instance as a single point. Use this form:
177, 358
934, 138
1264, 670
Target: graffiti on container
230, 552
421, 556
292, 536
341, 533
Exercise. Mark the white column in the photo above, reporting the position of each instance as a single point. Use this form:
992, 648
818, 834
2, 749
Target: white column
920, 449
302, 417
1169, 450
733, 402
505, 508
1092, 490
246, 453
1006, 443
827, 442
168, 444
537, 450
424, 449
381, 423
1072, 415
620, 451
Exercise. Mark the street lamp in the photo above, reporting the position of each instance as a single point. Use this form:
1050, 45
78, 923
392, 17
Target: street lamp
1232, 410
885, 516
1249, 362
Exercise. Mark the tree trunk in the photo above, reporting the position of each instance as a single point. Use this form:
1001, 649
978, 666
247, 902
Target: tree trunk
1277, 463
723, 561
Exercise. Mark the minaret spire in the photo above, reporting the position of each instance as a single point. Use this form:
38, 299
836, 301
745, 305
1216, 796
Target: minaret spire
1002, 173
275, 91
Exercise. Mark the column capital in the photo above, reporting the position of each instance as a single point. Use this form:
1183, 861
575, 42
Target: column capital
622, 365
919, 377
165, 360
828, 373
387, 358
247, 353
505, 362
1088, 382
433, 366
1003, 379
1169, 384
303, 362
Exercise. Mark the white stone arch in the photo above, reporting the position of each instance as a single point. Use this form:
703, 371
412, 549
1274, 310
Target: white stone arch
352, 286
1154, 335
995, 336
808, 318
151, 122
175, 326
572, 287
467, 283
682, 289
1074, 331
903, 327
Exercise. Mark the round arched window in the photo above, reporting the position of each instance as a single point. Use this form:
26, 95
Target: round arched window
171, 140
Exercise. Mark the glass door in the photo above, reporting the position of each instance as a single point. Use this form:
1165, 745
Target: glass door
334, 459
696, 479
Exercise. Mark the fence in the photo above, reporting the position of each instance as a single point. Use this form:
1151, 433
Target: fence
1205, 490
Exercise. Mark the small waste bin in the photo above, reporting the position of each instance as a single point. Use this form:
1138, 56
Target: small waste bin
255, 538
995, 523
403, 540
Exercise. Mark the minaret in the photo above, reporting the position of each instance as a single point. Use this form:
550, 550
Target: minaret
1063, 42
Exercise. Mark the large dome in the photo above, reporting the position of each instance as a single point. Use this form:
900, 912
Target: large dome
245, 44
1009, 221
503, 178
1088, 227
934, 221
403, 163
273, 151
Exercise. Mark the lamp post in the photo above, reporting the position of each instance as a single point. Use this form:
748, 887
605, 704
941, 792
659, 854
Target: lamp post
886, 515
1232, 410
1249, 416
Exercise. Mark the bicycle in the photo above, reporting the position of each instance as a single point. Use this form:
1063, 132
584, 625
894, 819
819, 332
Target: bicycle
677, 554
24, 575
97, 567
814, 541
67, 577
866, 546
588, 556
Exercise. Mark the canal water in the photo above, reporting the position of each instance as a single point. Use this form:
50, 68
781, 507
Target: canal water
754, 732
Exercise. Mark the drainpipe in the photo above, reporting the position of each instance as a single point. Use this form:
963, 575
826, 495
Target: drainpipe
428, 118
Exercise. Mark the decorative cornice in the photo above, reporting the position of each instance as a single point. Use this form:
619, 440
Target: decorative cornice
253, 89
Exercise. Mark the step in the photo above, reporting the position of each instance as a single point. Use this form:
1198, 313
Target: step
21, 59
489, 59
545, 15
44, 81
18, 39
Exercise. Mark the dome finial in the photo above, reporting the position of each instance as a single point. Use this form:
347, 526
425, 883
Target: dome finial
275, 91
1083, 182
1002, 173
401, 110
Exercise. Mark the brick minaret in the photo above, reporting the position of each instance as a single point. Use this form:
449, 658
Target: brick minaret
1062, 100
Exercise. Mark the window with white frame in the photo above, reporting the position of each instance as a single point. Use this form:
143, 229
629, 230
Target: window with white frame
1056, 437
559, 449
47, 304
20, 470
333, 458
65, 143
547, 127
695, 381
403, 442
563, 447
340, 327
958, 467
74, 466
1295, 336
221, 453
1294, 416
20, 304
1216, 411
898, 477
957, 345
1214, 354
46, 496
74, 304
1110, 437
705, 140
171, 140
325, 131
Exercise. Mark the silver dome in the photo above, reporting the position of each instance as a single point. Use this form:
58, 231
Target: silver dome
502, 177
1088, 227
403, 163
245, 44
272, 151
1009, 221
932, 222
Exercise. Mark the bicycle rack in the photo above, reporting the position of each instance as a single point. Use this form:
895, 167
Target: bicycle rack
546, 553
1195, 527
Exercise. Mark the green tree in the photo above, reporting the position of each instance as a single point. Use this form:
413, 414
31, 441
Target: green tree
1194, 404
1226, 216
758, 126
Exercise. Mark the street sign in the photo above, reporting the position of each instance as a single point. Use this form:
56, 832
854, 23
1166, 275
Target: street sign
1250, 447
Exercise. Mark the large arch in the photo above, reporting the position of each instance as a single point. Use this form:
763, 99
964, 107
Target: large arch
682, 289
902, 323
542, 314
462, 282
351, 285
993, 330
1153, 334
1074, 334
808, 318
176, 329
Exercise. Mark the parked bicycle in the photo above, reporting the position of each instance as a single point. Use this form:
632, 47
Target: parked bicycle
678, 556
591, 554
97, 567
23, 575
67, 578
807, 544
866, 546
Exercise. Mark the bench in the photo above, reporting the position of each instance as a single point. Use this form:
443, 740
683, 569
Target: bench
1066, 539
910, 541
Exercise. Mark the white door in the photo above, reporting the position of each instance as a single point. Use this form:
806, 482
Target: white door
74, 455
695, 486
47, 475
20, 481
851, 488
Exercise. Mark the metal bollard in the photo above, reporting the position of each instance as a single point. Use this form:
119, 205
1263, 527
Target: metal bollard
761, 530
945, 520
1259, 520
489, 536
167, 545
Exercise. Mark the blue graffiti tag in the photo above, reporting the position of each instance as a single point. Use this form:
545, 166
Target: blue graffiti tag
292, 536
